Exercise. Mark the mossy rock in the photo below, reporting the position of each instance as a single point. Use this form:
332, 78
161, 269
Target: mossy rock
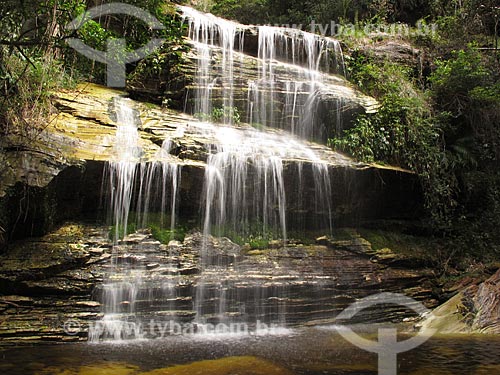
246, 365
95, 369
225, 366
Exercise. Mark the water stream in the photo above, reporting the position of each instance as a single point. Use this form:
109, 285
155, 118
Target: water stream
244, 189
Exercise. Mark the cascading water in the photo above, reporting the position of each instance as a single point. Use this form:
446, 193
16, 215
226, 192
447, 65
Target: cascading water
244, 191
208, 32
294, 71
139, 187
230, 202
244, 187
308, 55
135, 185
121, 171
245, 195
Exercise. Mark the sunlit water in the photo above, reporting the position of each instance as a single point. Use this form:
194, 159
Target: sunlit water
244, 182
301, 351
282, 95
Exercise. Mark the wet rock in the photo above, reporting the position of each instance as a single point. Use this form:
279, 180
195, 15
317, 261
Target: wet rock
174, 243
323, 240
56, 286
275, 244
91, 304
100, 259
213, 246
96, 251
189, 271
300, 283
17, 300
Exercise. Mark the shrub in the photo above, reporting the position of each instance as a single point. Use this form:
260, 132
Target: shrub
221, 114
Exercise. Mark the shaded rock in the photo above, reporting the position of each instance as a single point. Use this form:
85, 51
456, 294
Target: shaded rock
397, 51
56, 286
17, 300
189, 271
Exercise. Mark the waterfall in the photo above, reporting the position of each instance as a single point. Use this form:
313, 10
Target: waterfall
307, 55
208, 33
135, 184
244, 182
294, 66
140, 187
244, 189
122, 171
230, 201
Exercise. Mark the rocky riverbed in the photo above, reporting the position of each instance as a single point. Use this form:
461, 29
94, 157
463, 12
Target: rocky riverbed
46, 282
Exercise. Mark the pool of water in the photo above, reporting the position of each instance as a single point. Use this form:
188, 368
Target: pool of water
310, 350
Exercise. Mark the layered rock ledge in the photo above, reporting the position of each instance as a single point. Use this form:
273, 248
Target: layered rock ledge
50, 281
60, 177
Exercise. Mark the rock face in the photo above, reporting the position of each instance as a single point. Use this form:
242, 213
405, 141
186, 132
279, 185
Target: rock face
277, 77
59, 278
473, 310
337, 100
82, 135
397, 51
47, 281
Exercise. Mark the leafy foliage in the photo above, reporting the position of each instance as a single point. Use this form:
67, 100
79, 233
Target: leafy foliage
34, 58
166, 235
223, 114
321, 11
403, 132
244, 11
448, 135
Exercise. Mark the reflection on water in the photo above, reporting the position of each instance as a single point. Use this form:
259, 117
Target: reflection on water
302, 352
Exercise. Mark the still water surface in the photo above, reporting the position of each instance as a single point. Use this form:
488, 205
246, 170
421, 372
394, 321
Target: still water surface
304, 351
